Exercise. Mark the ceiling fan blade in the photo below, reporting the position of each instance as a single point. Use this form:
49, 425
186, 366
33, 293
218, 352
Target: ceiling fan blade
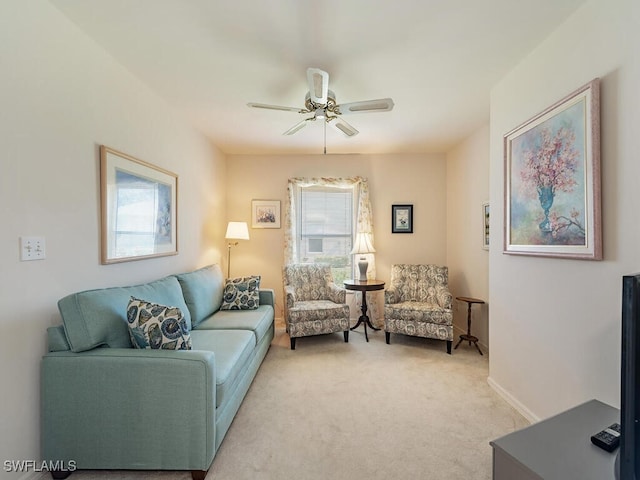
299, 126
380, 105
342, 126
278, 107
318, 85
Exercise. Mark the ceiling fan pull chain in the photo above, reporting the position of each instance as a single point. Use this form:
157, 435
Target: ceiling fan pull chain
325, 137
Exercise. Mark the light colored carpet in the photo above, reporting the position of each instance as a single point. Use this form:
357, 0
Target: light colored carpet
357, 410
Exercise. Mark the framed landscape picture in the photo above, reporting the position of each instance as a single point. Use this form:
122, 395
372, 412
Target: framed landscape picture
265, 213
552, 180
401, 218
138, 208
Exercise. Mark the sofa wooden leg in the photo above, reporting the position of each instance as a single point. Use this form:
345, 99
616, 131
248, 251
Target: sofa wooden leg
60, 474
198, 474
293, 343
346, 336
449, 342
387, 336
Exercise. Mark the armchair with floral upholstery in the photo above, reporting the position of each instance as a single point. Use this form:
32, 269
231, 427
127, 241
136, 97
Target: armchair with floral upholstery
314, 305
418, 303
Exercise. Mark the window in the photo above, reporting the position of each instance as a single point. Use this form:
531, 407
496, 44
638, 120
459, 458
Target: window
325, 228
315, 245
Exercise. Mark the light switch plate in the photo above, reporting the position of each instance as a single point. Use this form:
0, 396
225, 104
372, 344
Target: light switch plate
32, 248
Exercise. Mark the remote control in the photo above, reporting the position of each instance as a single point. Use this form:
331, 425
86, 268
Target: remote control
607, 439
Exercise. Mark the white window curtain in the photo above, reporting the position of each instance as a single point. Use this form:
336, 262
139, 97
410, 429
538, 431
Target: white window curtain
364, 224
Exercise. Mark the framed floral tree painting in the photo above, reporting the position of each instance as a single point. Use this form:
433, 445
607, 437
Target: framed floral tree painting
552, 180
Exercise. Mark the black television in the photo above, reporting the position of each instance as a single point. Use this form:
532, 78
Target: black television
628, 458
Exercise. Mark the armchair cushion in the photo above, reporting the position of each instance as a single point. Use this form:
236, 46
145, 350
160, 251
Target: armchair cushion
418, 312
420, 283
309, 281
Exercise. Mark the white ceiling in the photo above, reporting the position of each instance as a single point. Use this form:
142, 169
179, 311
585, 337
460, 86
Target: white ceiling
437, 59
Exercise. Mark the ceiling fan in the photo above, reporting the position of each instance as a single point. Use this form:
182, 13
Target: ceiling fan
321, 103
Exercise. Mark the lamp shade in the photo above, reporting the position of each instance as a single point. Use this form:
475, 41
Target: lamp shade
363, 244
237, 231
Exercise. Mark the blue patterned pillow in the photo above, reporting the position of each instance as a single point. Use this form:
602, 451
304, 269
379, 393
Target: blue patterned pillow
241, 293
157, 326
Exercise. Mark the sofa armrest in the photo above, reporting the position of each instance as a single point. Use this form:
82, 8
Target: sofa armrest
444, 297
337, 294
267, 297
116, 408
390, 296
290, 294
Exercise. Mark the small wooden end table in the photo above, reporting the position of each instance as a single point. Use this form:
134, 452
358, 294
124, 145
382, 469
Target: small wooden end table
468, 337
364, 286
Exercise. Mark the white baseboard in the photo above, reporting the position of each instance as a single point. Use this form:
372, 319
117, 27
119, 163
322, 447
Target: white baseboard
511, 400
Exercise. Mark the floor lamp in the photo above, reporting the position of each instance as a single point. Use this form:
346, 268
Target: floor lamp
362, 246
235, 231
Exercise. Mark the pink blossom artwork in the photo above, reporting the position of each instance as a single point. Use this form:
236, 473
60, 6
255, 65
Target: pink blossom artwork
547, 189
552, 179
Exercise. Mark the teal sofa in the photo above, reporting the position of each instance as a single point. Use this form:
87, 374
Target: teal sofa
107, 405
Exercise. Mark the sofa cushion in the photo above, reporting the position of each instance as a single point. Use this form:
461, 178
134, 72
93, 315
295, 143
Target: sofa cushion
202, 291
56, 339
233, 350
259, 321
241, 293
152, 325
98, 317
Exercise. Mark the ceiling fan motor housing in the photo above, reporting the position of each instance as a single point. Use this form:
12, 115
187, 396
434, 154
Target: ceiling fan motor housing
313, 106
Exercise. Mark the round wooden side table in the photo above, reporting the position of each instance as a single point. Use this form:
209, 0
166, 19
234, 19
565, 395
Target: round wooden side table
364, 286
468, 337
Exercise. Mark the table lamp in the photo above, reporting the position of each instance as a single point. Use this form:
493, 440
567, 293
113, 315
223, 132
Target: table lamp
235, 231
363, 245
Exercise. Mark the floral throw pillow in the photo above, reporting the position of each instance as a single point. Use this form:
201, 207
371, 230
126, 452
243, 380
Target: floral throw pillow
157, 326
241, 293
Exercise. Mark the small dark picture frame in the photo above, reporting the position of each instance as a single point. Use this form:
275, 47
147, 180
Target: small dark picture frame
401, 218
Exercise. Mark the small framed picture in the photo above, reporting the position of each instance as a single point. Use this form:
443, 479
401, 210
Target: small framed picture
485, 225
401, 218
265, 213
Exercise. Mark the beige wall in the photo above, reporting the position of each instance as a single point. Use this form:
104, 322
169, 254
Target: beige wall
416, 179
467, 189
555, 323
61, 97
